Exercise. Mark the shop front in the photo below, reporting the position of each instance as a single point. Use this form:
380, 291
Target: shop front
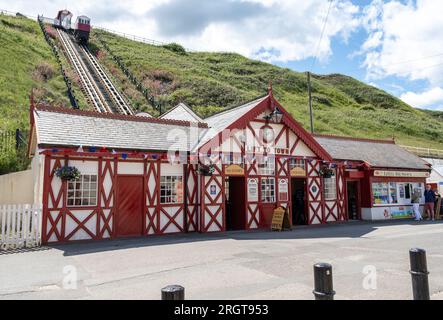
392, 193
381, 177
148, 176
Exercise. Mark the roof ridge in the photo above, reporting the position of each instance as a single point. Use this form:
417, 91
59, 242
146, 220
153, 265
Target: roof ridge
187, 108
331, 136
94, 114
237, 106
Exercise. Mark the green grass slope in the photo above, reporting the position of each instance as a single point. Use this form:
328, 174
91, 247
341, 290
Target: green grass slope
26, 62
210, 82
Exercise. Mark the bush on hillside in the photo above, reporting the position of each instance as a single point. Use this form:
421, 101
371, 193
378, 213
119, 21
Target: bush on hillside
43, 72
176, 48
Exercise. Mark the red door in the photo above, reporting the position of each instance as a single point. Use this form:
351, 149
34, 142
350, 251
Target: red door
130, 206
236, 213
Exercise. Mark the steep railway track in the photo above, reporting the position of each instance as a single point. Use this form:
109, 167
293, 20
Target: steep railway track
98, 87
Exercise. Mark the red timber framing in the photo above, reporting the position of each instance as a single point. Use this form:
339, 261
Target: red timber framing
257, 212
62, 223
212, 206
191, 198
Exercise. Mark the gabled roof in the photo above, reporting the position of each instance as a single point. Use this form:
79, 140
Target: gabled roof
221, 121
376, 153
69, 128
182, 112
238, 117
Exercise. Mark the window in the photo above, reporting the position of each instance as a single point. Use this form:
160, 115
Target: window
83, 192
393, 198
171, 189
297, 163
268, 190
381, 193
330, 188
233, 159
267, 166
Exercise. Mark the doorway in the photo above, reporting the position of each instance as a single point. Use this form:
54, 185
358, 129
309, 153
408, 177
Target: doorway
130, 206
235, 203
353, 193
299, 202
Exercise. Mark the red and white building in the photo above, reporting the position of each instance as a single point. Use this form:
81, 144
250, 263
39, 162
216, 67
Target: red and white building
153, 176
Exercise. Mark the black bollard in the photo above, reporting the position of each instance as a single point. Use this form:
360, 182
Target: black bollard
324, 287
419, 273
173, 293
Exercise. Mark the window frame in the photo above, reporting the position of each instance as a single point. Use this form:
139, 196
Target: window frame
82, 191
269, 169
263, 197
297, 163
174, 196
328, 195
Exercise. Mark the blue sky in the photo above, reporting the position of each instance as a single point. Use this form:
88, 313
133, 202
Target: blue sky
396, 45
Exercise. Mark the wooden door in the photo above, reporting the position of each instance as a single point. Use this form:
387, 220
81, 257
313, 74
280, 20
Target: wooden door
237, 197
129, 206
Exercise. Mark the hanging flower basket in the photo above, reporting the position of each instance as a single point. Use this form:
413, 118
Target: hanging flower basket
68, 173
207, 171
326, 172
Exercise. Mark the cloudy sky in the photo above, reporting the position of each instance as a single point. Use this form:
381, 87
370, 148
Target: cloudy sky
396, 45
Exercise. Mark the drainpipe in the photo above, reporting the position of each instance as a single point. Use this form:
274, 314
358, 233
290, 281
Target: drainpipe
185, 187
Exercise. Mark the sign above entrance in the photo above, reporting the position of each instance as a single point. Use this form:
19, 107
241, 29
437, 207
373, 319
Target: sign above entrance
401, 174
298, 172
234, 170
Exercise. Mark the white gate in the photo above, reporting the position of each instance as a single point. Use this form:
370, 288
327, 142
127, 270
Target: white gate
20, 226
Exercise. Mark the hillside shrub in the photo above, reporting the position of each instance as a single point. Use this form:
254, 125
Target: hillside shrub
176, 48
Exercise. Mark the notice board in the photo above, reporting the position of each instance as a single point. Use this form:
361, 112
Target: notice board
280, 220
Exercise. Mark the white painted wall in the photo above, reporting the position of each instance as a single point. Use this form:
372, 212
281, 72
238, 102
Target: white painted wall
17, 188
131, 168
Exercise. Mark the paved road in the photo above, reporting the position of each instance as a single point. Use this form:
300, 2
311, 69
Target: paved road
242, 265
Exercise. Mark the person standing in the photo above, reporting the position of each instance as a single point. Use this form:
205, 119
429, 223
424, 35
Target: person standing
416, 204
430, 202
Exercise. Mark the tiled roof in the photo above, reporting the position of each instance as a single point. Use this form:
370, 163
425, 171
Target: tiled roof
220, 121
377, 153
58, 127
182, 112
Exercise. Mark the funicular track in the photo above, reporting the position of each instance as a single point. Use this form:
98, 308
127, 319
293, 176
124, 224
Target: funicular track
98, 87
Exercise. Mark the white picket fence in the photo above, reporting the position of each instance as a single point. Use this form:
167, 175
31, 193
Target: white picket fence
20, 226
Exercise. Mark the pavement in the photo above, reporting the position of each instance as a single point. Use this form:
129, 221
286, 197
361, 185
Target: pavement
370, 262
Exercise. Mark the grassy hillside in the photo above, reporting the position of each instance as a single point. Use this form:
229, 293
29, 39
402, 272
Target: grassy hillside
26, 62
209, 82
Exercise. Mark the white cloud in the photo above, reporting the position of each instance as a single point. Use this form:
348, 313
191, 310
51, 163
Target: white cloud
431, 99
287, 30
400, 34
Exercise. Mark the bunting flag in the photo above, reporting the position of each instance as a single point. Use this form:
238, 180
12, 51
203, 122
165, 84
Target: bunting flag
124, 156
80, 149
114, 152
103, 150
92, 149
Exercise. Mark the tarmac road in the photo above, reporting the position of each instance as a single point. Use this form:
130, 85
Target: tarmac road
370, 261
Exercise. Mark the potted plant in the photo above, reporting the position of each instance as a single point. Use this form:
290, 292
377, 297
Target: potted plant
326, 172
67, 173
207, 171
